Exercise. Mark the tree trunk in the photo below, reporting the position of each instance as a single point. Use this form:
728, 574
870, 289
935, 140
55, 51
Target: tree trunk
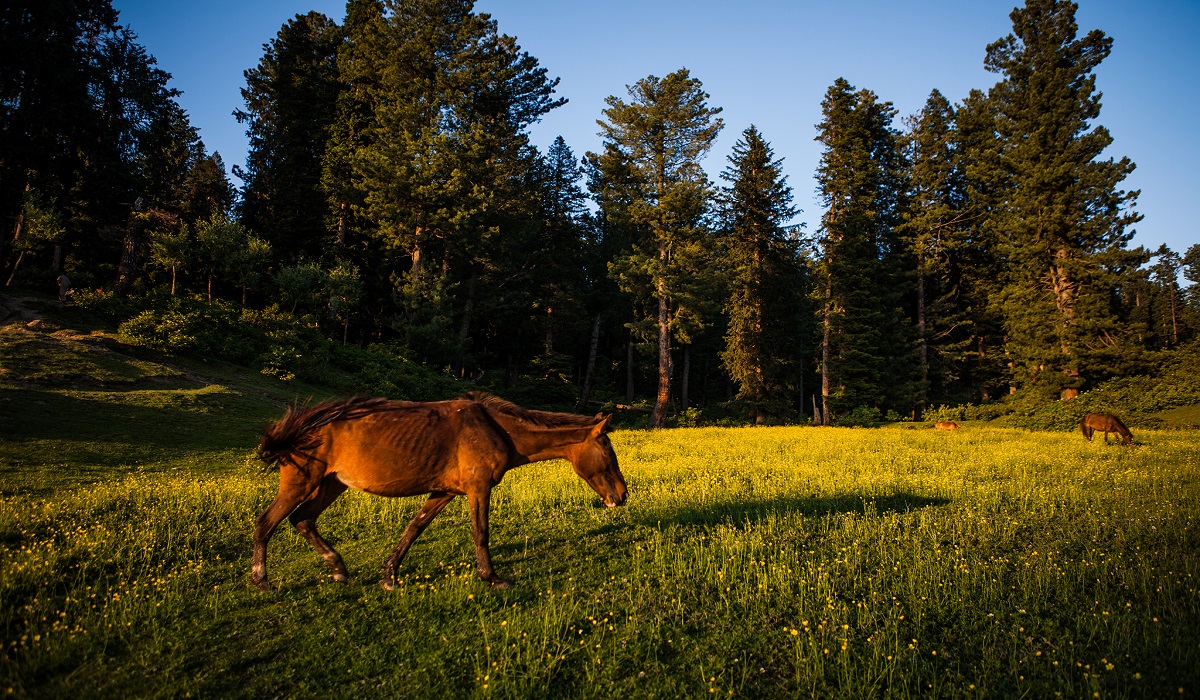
14, 269
1174, 320
658, 419
416, 254
464, 330
591, 365
802, 393
826, 325
629, 370
683, 382
16, 230
923, 392
341, 225
131, 250
983, 389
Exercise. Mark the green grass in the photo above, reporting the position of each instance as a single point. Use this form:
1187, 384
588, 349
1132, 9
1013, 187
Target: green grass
749, 562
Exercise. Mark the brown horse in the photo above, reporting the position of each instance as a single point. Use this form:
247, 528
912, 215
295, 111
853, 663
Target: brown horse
946, 425
1106, 423
400, 448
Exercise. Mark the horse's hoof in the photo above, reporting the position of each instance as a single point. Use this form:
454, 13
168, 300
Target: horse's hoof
341, 578
500, 584
264, 586
388, 584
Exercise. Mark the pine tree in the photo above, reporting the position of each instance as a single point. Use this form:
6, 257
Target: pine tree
48, 73
865, 341
657, 140
977, 147
89, 126
1172, 322
764, 339
439, 166
936, 229
554, 261
1064, 223
291, 98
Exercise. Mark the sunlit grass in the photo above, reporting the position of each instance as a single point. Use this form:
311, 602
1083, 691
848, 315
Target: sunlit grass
748, 562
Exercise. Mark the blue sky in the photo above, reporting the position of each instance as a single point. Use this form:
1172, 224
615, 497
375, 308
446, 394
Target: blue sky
765, 62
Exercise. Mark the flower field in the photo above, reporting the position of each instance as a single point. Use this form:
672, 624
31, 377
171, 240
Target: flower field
749, 562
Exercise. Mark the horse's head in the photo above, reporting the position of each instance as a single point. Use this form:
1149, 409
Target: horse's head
596, 463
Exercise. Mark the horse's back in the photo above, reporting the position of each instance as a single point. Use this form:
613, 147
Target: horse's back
415, 448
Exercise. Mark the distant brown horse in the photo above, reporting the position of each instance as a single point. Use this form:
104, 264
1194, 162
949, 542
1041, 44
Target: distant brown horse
399, 448
946, 425
1106, 423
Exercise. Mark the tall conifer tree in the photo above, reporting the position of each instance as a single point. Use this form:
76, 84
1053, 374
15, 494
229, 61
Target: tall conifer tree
444, 147
765, 337
657, 139
291, 101
936, 229
864, 339
1063, 225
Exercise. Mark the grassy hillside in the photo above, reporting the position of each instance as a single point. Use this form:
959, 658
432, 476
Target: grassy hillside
750, 562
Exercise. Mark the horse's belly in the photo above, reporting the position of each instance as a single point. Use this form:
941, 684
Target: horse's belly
397, 485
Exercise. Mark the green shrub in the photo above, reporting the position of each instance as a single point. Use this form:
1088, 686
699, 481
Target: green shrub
860, 416
101, 303
385, 370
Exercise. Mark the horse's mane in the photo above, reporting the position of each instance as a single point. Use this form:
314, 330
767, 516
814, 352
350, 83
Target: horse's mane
293, 432
540, 419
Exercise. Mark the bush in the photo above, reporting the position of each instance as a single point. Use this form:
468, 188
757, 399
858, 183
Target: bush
860, 416
1134, 399
278, 344
101, 303
385, 370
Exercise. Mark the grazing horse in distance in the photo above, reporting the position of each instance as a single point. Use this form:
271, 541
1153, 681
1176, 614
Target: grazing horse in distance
1106, 423
401, 448
946, 425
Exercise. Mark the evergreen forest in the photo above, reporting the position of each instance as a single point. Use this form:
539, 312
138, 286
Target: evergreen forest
395, 231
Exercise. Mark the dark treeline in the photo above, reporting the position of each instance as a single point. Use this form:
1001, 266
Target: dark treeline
391, 196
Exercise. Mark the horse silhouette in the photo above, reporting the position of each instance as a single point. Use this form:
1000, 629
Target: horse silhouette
401, 448
1107, 424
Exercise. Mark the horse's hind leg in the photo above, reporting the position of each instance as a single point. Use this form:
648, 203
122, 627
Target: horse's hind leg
292, 491
429, 511
304, 519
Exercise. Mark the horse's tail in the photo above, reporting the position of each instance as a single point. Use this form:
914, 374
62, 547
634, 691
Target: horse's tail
1084, 428
293, 433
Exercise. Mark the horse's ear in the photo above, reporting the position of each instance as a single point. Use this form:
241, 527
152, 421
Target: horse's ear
605, 424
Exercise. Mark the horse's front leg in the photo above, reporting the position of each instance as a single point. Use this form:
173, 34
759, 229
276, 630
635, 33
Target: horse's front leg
480, 505
437, 501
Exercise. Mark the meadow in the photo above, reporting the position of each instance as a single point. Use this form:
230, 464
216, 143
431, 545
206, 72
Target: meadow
749, 562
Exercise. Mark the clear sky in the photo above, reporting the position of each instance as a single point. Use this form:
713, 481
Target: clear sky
765, 62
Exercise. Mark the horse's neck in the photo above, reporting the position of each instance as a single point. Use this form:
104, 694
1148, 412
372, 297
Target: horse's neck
540, 444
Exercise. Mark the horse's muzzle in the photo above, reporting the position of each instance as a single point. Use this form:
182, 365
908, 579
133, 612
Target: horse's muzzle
615, 500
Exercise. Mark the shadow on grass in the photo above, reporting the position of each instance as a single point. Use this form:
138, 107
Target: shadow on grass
749, 511
213, 420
